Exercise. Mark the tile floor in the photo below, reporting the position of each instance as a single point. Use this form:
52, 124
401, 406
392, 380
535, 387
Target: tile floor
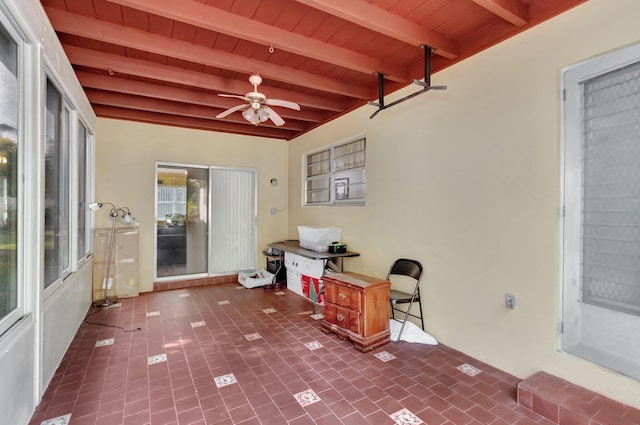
223, 355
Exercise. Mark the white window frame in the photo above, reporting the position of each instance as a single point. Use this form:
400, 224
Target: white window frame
333, 175
83, 204
594, 333
25, 63
68, 133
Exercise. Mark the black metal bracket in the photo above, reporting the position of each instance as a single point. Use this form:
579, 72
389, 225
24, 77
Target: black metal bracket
426, 85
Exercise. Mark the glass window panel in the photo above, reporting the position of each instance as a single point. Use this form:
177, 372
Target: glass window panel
65, 190
8, 177
318, 197
52, 190
316, 184
182, 215
318, 157
318, 163
318, 168
336, 163
349, 161
611, 244
350, 148
349, 186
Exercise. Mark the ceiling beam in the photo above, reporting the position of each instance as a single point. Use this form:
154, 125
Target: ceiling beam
197, 97
217, 20
174, 108
116, 63
514, 11
379, 20
94, 29
186, 122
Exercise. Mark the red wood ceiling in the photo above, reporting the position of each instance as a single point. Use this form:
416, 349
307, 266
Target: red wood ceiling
165, 61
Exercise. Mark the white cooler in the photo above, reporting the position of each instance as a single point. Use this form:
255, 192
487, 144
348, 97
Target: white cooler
304, 276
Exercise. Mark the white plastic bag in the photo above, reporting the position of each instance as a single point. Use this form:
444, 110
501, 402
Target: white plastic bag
253, 279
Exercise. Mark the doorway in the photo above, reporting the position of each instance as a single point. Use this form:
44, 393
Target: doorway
206, 220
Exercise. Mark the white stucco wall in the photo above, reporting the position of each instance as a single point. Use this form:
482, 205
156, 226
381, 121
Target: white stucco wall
467, 181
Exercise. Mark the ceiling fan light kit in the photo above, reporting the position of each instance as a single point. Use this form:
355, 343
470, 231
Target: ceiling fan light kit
257, 109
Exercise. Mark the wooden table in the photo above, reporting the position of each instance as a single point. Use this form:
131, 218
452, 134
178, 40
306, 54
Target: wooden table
333, 261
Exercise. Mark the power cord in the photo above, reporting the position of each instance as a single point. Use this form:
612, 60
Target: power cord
106, 325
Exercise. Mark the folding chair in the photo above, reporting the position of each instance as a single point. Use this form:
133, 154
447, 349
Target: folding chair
412, 269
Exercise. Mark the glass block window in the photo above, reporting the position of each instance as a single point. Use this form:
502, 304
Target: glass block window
336, 175
611, 190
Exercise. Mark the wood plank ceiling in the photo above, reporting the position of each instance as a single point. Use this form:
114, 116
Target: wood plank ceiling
166, 61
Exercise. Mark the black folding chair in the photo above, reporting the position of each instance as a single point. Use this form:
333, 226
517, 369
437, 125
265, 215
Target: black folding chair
412, 269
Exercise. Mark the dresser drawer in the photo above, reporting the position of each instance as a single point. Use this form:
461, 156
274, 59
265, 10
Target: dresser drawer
342, 317
343, 295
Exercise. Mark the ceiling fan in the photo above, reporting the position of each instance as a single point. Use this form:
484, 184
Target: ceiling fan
257, 109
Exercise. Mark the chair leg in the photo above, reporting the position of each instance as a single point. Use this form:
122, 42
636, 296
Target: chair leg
404, 322
421, 315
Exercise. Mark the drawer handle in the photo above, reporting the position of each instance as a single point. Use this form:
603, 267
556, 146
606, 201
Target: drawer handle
340, 317
342, 296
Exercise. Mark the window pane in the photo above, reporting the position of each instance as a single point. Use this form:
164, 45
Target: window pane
52, 189
8, 174
318, 163
318, 157
318, 190
318, 184
349, 161
65, 190
611, 238
82, 191
351, 147
182, 214
349, 186
317, 197
337, 175
172, 203
350, 155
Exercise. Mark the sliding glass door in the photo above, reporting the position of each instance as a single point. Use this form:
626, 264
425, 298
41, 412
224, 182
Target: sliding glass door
205, 220
182, 215
233, 229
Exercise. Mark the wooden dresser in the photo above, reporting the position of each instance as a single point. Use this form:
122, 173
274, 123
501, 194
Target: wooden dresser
357, 308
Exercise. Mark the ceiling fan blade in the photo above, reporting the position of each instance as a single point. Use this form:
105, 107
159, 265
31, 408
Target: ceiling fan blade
277, 120
283, 103
230, 111
234, 95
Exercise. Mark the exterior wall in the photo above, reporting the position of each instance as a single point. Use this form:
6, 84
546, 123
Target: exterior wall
467, 181
126, 154
67, 306
32, 349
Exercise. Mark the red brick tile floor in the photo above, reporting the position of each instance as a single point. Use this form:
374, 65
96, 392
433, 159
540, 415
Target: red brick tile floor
223, 354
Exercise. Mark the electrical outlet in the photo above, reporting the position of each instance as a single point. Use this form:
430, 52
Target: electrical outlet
510, 301
273, 211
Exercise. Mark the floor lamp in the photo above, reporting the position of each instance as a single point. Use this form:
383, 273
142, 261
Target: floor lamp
126, 218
